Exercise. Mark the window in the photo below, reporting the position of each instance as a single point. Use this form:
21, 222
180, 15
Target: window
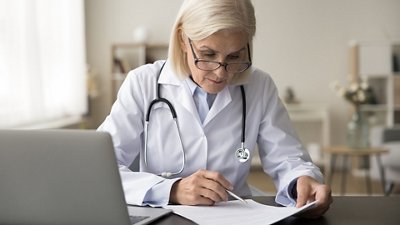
42, 61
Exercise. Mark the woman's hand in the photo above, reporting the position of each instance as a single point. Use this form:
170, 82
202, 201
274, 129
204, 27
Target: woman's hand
309, 190
201, 188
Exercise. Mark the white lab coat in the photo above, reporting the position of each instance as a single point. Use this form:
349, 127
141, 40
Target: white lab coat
210, 145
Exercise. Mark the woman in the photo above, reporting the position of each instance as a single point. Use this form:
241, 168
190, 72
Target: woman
196, 159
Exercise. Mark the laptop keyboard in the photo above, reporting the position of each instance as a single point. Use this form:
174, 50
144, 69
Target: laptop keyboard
136, 219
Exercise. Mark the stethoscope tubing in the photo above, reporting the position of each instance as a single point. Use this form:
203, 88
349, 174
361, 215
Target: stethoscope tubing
243, 114
174, 117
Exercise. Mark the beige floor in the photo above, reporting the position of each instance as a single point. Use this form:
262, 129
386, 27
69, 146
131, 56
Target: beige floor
355, 185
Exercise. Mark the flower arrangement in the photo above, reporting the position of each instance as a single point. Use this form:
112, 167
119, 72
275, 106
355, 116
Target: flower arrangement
357, 93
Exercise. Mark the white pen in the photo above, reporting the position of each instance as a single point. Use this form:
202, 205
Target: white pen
235, 196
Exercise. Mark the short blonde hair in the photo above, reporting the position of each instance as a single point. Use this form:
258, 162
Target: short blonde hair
198, 19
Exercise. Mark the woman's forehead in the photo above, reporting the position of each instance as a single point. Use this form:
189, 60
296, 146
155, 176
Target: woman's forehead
225, 41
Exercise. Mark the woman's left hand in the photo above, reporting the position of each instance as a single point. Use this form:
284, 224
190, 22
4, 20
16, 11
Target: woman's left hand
308, 190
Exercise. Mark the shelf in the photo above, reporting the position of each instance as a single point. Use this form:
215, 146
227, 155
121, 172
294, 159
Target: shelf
310, 115
378, 62
128, 56
375, 108
377, 76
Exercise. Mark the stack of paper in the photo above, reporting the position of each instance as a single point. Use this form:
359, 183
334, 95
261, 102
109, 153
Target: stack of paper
236, 212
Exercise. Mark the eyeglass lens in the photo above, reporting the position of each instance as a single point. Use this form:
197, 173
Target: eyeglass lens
208, 65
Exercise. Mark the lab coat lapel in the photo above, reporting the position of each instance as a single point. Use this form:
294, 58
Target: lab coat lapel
221, 101
186, 100
181, 94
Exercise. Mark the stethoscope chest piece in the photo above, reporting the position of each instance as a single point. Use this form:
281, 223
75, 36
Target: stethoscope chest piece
242, 154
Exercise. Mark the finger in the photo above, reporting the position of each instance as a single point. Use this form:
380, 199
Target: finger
324, 199
303, 194
212, 195
202, 196
323, 195
211, 181
189, 191
217, 177
202, 200
198, 186
316, 212
215, 191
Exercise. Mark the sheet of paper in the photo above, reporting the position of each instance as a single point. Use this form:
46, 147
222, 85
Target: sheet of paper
236, 212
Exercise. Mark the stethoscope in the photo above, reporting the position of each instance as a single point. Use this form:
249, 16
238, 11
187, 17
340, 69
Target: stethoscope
242, 153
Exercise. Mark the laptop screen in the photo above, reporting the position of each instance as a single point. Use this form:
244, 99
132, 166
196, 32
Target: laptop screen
59, 177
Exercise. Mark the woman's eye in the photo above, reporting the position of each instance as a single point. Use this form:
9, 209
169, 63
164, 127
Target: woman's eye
233, 57
208, 55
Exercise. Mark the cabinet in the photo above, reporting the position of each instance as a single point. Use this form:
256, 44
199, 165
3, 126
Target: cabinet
378, 62
127, 56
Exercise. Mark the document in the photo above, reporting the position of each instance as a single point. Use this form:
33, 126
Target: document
237, 212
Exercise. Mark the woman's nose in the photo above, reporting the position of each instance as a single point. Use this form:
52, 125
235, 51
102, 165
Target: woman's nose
221, 72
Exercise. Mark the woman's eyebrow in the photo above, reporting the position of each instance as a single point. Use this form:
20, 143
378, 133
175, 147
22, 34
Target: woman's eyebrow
206, 48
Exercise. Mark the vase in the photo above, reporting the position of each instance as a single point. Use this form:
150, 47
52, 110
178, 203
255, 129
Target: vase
358, 130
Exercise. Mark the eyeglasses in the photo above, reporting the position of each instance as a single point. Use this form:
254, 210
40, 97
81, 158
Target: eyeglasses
208, 65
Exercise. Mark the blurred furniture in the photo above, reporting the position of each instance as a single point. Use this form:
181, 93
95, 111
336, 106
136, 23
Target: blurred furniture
304, 115
309, 113
389, 138
378, 62
127, 56
365, 154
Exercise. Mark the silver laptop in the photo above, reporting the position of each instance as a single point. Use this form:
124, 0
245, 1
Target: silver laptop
63, 177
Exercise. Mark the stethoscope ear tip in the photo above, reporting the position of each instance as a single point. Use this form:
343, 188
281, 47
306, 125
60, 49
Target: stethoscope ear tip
166, 174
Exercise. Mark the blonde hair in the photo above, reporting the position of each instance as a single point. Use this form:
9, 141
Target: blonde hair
198, 19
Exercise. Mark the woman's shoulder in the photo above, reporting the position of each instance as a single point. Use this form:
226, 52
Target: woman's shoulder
143, 78
260, 77
147, 71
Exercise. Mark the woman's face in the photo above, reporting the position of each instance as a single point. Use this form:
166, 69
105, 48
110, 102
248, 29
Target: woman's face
225, 46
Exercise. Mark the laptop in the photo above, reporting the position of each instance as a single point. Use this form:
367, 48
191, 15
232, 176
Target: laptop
63, 177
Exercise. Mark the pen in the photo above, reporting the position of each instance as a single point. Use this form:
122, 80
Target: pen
235, 196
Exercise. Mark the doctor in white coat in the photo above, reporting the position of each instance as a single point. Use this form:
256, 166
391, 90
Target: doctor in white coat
196, 140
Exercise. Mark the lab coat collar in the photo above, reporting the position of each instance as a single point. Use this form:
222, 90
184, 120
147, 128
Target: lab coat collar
225, 98
221, 101
167, 76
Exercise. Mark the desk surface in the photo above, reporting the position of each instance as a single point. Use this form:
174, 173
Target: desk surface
344, 210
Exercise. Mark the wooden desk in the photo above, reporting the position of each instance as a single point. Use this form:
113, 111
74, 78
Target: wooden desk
366, 210
364, 153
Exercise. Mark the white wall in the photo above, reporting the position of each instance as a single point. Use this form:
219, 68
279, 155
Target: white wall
301, 43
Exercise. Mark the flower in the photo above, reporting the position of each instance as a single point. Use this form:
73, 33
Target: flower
357, 93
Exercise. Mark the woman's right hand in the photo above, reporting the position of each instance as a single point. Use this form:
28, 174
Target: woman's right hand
201, 188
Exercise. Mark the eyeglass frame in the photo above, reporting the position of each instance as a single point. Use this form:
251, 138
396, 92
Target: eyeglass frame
225, 65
